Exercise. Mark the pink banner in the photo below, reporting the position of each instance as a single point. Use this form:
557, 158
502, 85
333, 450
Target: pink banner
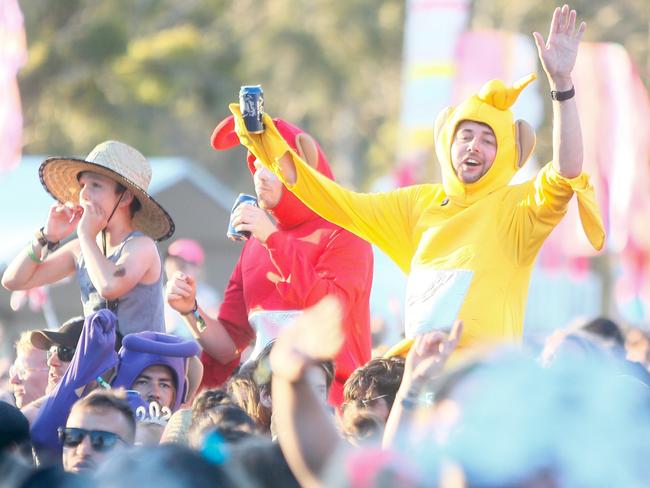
485, 55
614, 111
13, 54
615, 116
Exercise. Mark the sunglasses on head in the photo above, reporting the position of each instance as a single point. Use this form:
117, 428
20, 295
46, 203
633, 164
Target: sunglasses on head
99, 440
371, 402
65, 353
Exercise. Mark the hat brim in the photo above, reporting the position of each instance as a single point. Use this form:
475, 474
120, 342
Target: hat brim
224, 135
45, 339
193, 377
59, 176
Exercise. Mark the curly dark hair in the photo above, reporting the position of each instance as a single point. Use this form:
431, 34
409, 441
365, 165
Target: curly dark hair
209, 399
378, 377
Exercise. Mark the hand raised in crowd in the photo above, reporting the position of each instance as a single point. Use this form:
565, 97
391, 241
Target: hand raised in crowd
62, 220
274, 144
93, 219
429, 353
250, 218
558, 53
316, 335
180, 292
425, 360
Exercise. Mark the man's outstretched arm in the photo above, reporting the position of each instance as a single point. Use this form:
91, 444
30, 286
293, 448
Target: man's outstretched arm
558, 56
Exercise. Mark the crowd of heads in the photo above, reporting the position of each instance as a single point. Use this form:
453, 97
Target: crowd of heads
532, 416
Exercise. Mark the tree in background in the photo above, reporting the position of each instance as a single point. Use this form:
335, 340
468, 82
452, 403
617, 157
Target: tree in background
159, 73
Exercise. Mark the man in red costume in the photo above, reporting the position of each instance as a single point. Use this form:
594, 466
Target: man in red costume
285, 267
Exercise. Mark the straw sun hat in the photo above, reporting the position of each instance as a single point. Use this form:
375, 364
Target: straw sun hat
119, 162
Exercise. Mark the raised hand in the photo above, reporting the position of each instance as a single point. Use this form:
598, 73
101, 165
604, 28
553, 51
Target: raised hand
62, 220
429, 354
268, 146
558, 53
180, 292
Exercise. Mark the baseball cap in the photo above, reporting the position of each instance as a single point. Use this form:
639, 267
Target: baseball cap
188, 250
66, 335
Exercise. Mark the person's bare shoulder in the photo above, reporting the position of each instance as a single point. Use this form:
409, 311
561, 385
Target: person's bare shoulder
141, 245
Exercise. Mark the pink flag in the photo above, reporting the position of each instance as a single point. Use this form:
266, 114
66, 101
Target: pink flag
484, 54
615, 116
36, 297
614, 111
13, 54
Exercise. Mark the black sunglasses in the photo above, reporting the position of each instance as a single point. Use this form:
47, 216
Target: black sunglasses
100, 440
65, 353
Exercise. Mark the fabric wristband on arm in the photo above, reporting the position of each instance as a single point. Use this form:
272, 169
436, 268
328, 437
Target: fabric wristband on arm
200, 322
32, 253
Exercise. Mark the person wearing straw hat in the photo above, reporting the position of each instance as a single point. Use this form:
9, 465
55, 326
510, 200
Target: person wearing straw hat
104, 199
468, 245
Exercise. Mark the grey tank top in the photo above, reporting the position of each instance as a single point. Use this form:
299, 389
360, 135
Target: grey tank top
140, 309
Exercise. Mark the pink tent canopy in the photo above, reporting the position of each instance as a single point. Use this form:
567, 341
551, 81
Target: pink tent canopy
13, 54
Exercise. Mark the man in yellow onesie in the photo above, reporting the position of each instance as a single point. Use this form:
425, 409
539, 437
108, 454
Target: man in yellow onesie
467, 245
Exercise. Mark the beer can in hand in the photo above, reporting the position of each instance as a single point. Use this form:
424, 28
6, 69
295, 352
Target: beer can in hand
242, 199
251, 104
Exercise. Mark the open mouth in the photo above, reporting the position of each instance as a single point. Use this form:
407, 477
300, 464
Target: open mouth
83, 466
471, 163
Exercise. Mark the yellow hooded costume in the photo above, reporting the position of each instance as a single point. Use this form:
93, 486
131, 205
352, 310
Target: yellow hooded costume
468, 249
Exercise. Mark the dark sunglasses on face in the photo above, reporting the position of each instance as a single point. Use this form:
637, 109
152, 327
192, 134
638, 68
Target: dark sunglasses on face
99, 440
65, 353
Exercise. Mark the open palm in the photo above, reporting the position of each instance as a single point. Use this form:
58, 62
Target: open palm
428, 356
558, 53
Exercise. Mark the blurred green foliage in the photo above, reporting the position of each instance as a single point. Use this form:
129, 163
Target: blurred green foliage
159, 74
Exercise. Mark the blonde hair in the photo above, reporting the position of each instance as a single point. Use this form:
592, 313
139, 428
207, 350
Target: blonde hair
24, 344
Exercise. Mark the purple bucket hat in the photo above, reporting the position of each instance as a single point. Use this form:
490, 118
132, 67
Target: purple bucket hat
148, 348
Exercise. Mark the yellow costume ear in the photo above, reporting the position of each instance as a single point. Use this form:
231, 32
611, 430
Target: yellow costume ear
441, 120
307, 149
525, 140
500, 96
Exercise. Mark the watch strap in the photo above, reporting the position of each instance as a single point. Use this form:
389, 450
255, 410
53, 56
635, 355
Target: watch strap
560, 96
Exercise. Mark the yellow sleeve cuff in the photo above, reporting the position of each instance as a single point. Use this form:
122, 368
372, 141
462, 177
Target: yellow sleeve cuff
590, 217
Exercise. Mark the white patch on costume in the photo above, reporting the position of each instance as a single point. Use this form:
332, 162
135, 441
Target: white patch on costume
267, 325
434, 298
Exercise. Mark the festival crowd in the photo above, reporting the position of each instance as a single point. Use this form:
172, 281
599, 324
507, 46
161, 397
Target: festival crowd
279, 382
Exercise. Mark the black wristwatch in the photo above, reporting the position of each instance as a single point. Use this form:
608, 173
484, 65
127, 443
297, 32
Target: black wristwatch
560, 96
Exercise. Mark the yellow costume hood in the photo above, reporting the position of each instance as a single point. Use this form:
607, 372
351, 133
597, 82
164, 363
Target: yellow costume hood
515, 143
515, 139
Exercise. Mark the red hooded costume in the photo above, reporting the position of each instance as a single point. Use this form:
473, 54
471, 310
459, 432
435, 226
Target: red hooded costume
306, 259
